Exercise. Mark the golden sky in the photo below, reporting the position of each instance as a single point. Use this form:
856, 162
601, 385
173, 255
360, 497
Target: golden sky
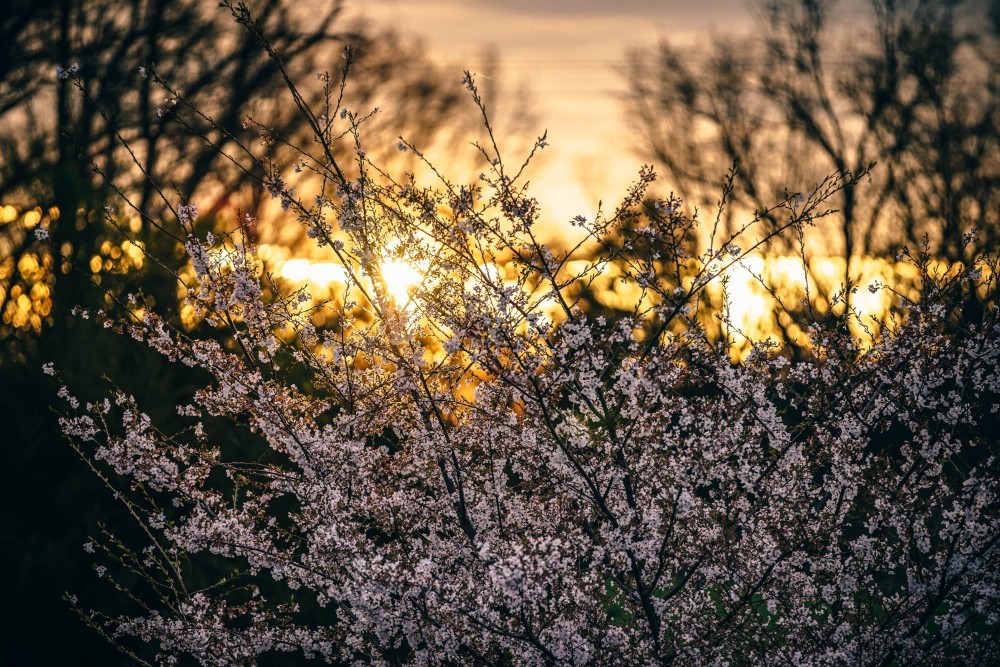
568, 54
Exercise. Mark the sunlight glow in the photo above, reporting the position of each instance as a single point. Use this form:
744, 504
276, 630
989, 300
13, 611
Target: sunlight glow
399, 278
749, 304
757, 316
315, 273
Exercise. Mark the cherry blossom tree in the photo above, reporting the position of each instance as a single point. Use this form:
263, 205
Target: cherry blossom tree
476, 471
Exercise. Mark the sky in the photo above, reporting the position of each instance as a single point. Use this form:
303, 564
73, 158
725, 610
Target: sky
568, 54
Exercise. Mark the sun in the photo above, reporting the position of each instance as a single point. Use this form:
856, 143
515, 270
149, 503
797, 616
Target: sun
399, 278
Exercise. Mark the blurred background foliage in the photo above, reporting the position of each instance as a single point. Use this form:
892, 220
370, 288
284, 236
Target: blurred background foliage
819, 87
815, 88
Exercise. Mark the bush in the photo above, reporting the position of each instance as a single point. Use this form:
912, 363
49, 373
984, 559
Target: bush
478, 471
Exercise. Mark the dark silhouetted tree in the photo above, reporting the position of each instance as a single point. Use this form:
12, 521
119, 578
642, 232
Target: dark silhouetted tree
823, 86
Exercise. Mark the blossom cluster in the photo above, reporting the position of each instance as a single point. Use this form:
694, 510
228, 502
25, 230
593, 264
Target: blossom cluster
593, 493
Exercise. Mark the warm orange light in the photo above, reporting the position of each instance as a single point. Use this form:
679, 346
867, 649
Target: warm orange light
313, 273
32, 218
399, 278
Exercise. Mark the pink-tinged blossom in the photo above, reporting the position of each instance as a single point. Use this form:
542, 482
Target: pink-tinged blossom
493, 474
187, 213
64, 73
